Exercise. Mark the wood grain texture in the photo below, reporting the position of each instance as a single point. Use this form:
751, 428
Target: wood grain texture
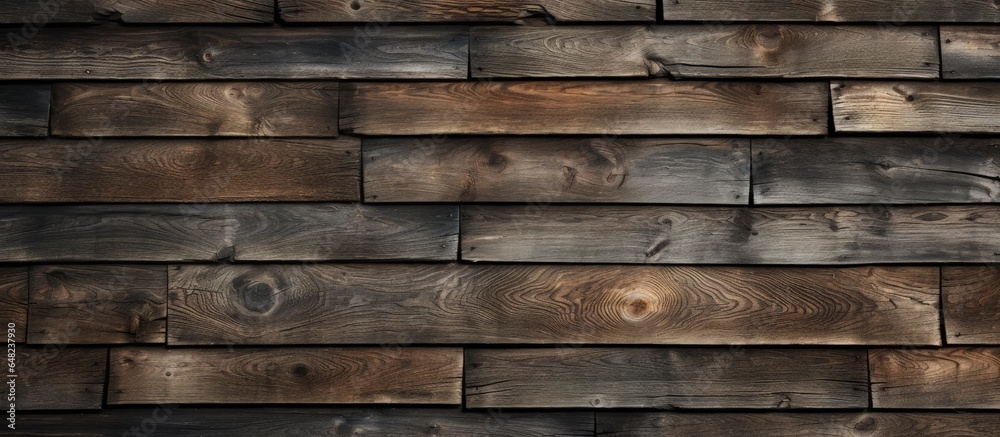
960, 107
283, 376
705, 171
665, 378
24, 110
225, 52
706, 235
98, 304
384, 11
699, 51
970, 52
876, 170
584, 107
60, 378
469, 304
241, 109
957, 377
187, 11
971, 304
31, 14
14, 301
887, 12
180, 170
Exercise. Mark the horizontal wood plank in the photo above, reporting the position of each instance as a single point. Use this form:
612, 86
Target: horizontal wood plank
14, 301
705, 171
959, 107
971, 301
24, 110
384, 11
957, 377
707, 235
60, 378
665, 378
32, 14
698, 51
283, 376
187, 11
970, 52
887, 12
584, 107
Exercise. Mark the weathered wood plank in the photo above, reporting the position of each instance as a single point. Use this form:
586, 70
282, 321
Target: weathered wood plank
14, 302
281, 376
584, 107
970, 52
491, 169
961, 107
306, 109
60, 378
665, 378
876, 170
706, 235
98, 304
698, 51
958, 377
188, 170
198, 53
468, 304
24, 110
187, 11
971, 303
385, 11
887, 12
33, 15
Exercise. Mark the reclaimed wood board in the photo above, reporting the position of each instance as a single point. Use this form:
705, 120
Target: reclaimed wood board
956, 377
31, 15
884, 12
970, 296
187, 11
918, 107
56, 377
14, 302
386, 11
24, 110
970, 52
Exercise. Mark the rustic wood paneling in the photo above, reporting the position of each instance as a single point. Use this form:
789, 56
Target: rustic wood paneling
24, 110
885, 12
707, 235
584, 107
491, 169
970, 52
98, 304
14, 301
305, 109
31, 15
971, 302
456, 304
666, 378
876, 170
60, 378
175, 53
180, 170
698, 51
283, 376
187, 11
384, 11
961, 107
958, 377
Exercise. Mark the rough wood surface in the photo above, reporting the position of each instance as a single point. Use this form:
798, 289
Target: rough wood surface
467, 304
14, 301
303, 109
98, 304
665, 378
707, 235
187, 11
699, 51
282, 376
59, 378
884, 12
24, 110
971, 303
22, 12
181, 170
957, 377
876, 170
384, 11
960, 107
704, 171
970, 52
584, 107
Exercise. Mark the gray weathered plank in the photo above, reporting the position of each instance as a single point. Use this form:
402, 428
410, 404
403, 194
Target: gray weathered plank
956, 377
385, 11
961, 107
885, 12
14, 302
187, 11
59, 378
970, 52
24, 110
970, 296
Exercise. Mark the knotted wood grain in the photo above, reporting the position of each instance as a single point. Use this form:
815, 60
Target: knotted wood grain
24, 110
187, 11
971, 301
960, 107
956, 377
970, 52
14, 301
885, 12
384, 11
59, 378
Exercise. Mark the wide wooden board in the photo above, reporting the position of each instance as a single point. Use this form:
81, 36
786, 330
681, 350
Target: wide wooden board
958, 107
884, 12
57, 377
24, 110
956, 377
14, 302
970, 296
187, 11
385, 11
970, 52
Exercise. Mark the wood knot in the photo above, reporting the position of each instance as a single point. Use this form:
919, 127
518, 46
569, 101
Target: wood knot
497, 162
638, 306
767, 37
300, 370
866, 424
257, 292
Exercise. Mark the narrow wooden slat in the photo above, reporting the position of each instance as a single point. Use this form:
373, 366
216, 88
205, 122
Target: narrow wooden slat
970, 52
584, 107
282, 376
665, 378
384, 11
24, 110
971, 302
515, 169
98, 304
700, 235
961, 107
188, 11
195, 109
958, 377
887, 12
876, 170
60, 378
32, 15
145, 170
14, 302
698, 51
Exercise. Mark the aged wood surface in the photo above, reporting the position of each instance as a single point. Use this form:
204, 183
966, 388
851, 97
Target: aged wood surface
384, 11
957, 377
665, 378
699, 51
285, 376
959, 107
187, 11
23, 12
60, 378
514, 169
970, 52
24, 110
970, 296
14, 301
584, 107
180, 170
885, 12
876, 170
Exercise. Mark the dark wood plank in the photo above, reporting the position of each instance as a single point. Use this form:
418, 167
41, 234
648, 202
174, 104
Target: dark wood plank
226, 52
98, 304
304, 109
384, 11
584, 107
970, 52
14, 302
33, 15
181, 170
516, 169
958, 377
876, 170
665, 378
961, 107
187, 11
24, 110
971, 302
705, 235
282, 376
887, 12
468, 304
698, 51
60, 378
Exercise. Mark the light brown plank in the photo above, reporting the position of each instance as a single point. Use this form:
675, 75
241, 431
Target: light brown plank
960, 107
584, 107
546, 170
970, 52
385, 11
187, 11
24, 110
971, 299
283, 376
59, 378
885, 12
665, 378
14, 302
958, 377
